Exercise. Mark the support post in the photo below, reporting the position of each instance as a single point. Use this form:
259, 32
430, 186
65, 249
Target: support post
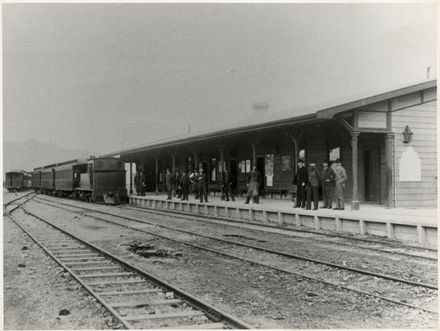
196, 161
173, 161
254, 155
131, 178
354, 158
389, 178
221, 174
156, 166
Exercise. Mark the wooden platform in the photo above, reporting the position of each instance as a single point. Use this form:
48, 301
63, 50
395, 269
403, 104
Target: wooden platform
408, 225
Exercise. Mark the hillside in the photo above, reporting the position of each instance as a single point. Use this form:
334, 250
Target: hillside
33, 153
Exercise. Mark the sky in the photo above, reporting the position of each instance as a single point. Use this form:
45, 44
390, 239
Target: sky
105, 77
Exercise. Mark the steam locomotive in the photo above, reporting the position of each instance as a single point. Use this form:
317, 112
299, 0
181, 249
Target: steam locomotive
100, 180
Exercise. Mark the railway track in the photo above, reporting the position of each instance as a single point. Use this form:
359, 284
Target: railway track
224, 252
291, 233
396, 248
136, 298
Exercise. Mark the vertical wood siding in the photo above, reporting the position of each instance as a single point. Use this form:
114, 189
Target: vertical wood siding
423, 123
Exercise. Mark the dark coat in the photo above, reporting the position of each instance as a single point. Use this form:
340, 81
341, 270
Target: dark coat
185, 181
300, 177
202, 179
328, 177
314, 177
228, 179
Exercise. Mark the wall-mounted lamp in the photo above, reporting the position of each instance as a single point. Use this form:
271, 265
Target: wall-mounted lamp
407, 135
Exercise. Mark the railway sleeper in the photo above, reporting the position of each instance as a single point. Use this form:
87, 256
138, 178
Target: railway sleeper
180, 314
153, 302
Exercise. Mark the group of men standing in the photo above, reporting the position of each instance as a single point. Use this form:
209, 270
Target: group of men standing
181, 183
309, 180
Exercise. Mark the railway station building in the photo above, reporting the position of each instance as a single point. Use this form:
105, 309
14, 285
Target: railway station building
387, 143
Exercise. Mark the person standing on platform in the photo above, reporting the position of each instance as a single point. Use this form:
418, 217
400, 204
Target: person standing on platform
195, 187
227, 185
202, 183
313, 186
253, 182
184, 184
139, 180
169, 184
341, 177
300, 180
328, 184
177, 186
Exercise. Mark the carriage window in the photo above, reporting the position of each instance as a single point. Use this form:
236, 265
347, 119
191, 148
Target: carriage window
99, 165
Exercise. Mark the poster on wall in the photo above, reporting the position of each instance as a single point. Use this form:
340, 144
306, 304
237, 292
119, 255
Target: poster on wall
268, 169
269, 180
285, 163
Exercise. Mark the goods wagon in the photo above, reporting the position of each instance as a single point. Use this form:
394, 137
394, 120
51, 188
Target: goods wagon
17, 180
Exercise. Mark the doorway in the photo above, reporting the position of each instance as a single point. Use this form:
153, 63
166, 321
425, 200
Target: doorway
261, 169
233, 172
372, 175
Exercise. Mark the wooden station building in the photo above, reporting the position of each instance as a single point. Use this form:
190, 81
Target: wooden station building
387, 143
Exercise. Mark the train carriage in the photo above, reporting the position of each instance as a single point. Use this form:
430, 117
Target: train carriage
99, 180
47, 179
36, 179
17, 180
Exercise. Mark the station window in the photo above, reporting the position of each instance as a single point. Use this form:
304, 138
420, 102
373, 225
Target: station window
213, 169
334, 154
302, 155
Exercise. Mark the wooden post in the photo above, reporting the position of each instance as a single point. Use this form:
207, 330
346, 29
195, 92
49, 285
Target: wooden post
354, 158
156, 165
222, 191
173, 160
389, 178
131, 178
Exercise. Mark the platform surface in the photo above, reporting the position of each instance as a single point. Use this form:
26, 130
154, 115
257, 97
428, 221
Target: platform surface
367, 211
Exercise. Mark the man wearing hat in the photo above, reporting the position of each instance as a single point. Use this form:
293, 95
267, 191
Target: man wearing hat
328, 184
341, 177
253, 183
300, 180
227, 185
313, 186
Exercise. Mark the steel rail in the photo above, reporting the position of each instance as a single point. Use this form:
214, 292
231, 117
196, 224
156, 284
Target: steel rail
232, 220
264, 265
267, 250
210, 311
237, 223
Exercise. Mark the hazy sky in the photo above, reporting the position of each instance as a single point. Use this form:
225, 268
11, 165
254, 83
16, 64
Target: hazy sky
101, 77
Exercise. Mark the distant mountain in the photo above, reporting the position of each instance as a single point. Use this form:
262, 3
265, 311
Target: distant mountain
32, 153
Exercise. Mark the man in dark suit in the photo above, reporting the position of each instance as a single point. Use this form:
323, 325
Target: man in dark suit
300, 180
227, 185
328, 184
202, 183
313, 186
